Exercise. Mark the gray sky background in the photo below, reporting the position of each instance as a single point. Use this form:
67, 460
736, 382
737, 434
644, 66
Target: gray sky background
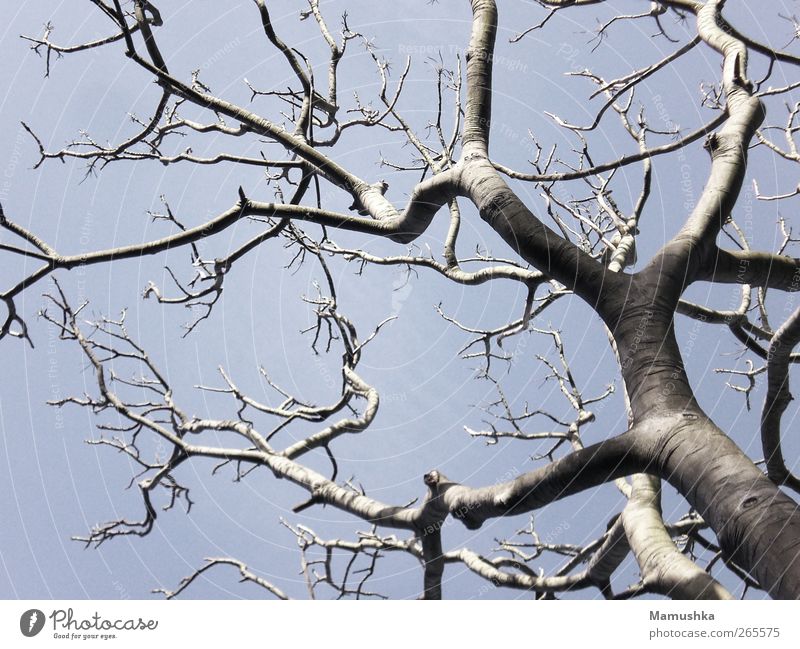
53, 486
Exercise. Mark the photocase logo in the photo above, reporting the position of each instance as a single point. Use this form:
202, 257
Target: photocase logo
31, 622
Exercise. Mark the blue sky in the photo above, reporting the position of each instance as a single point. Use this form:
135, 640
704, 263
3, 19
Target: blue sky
53, 486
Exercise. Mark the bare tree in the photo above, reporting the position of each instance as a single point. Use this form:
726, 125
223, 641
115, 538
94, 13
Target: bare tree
740, 513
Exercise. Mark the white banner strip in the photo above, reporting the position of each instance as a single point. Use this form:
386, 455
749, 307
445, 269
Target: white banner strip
128, 623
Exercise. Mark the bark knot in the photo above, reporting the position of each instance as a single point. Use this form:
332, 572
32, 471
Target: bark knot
747, 503
720, 144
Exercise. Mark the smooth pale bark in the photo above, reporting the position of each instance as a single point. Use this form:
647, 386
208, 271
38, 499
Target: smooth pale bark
753, 267
777, 400
663, 567
535, 242
576, 472
757, 524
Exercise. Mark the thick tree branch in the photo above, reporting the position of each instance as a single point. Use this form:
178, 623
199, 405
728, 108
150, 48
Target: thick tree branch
580, 470
694, 245
777, 400
756, 268
664, 568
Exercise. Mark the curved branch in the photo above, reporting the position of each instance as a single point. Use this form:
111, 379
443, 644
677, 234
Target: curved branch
752, 267
663, 567
245, 573
616, 164
694, 245
580, 470
777, 400
402, 228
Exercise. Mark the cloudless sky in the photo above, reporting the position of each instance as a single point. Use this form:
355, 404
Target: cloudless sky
54, 487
